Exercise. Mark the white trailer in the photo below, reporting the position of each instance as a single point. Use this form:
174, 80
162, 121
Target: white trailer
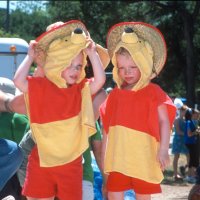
12, 53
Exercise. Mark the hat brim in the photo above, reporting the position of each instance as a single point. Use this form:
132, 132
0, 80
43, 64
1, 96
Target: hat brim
45, 39
147, 33
103, 54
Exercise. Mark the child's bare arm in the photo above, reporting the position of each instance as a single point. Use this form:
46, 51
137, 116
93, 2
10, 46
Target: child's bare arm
98, 70
17, 104
23, 70
105, 176
163, 155
99, 98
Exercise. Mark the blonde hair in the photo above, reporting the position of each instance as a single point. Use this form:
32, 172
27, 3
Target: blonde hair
122, 51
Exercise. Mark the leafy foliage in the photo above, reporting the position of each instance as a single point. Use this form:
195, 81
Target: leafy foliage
177, 20
7, 34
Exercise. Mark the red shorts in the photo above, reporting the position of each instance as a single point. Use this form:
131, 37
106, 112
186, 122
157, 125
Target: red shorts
63, 181
118, 182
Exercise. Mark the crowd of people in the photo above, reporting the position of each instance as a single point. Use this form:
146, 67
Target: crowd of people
186, 141
65, 114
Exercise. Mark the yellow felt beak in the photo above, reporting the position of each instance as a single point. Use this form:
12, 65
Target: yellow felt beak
142, 54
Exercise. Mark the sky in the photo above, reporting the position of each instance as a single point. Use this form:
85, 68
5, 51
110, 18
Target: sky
3, 4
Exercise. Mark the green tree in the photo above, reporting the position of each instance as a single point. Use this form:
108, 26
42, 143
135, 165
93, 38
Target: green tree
180, 19
64, 10
7, 34
29, 20
177, 20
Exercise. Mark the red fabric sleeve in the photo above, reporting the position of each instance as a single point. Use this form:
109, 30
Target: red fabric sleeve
163, 98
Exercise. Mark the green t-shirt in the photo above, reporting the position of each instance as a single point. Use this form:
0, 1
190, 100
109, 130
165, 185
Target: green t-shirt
88, 173
13, 126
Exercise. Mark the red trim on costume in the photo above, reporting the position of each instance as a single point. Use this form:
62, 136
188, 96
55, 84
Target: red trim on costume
58, 27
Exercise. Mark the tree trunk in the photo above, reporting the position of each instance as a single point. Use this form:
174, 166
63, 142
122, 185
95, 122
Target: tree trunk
190, 63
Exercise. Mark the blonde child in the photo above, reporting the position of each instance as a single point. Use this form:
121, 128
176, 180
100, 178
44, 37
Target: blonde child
60, 108
137, 115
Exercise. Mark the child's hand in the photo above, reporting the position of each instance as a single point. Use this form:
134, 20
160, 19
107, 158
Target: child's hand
31, 49
91, 46
163, 158
36, 55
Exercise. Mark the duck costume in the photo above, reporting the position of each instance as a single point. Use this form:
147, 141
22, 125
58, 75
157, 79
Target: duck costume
130, 117
61, 117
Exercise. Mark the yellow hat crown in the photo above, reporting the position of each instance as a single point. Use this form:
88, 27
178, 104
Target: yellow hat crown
149, 48
78, 36
128, 36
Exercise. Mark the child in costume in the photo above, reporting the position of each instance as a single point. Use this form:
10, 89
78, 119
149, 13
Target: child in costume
137, 115
60, 109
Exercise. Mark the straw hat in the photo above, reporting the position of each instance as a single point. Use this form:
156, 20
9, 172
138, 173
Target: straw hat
54, 31
58, 30
59, 45
145, 32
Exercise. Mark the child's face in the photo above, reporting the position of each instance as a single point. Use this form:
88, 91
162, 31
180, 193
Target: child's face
72, 73
127, 69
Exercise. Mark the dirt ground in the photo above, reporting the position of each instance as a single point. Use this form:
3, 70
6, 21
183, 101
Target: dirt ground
173, 190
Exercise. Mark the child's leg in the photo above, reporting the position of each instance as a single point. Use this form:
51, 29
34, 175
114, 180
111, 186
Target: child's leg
175, 164
30, 198
115, 195
88, 190
143, 196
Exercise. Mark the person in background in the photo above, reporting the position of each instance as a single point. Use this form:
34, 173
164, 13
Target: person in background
17, 123
191, 140
178, 145
13, 126
138, 115
178, 103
